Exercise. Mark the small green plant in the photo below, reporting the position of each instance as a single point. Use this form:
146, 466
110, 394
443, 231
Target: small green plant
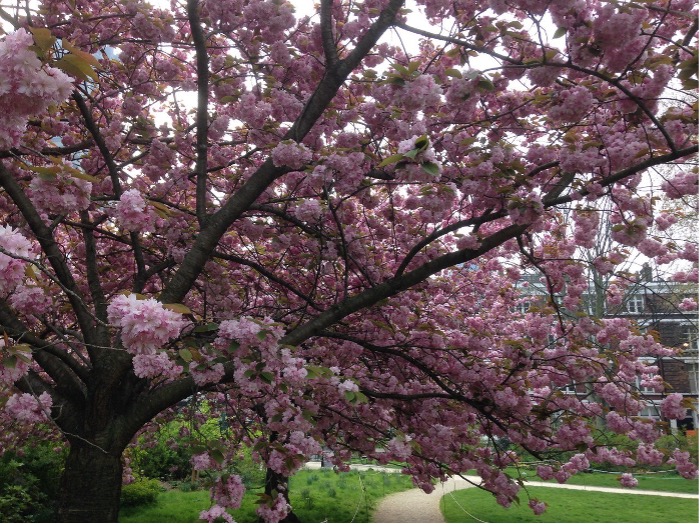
311, 479
308, 500
331, 492
140, 493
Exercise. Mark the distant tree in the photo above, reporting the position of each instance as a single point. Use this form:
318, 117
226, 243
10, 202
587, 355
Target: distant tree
319, 228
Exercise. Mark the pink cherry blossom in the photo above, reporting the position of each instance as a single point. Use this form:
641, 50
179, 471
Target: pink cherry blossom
28, 408
627, 480
30, 300
133, 214
27, 88
672, 406
291, 154
12, 243
228, 491
145, 324
275, 511
214, 513
537, 507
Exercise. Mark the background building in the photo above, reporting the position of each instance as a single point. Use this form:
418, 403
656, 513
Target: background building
655, 306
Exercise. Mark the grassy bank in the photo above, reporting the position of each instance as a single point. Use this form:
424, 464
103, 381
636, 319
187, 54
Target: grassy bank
316, 495
475, 505
652, 481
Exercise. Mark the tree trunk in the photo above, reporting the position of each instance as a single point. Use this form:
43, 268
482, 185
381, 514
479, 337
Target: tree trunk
91, 485
276, 483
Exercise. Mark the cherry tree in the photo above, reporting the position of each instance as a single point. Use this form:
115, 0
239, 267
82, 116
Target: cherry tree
318, 223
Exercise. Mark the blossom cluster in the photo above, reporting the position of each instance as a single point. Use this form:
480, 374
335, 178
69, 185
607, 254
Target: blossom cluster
133, 214
60, 194
12, 269
27, 88
291, 154
11, 368
145, 324
28, 408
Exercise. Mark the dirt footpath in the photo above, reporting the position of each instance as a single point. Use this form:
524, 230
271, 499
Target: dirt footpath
415, 505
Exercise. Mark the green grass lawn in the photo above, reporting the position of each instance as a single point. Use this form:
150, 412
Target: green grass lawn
650, 481
568, 506
316, 495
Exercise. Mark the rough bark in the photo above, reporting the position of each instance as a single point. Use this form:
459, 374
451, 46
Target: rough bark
91, 485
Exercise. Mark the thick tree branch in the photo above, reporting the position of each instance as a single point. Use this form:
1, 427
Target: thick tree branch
52, 251
329, 48
93, 275
234, 207
61, 367
625, 173
395, 285
49, 151
269, 275
91, 126
202, 116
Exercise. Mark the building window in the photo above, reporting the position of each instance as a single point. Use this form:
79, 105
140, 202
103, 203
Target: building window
523, 307
650, 411
692, 369
634, 304
569, 389
689, 337
645, 390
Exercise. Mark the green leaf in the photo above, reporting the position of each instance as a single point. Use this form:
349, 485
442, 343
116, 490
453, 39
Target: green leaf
77, 173
412, 153
401, 69
267, 376
89, 59
47, 173
185, 354
43, 38
318, 371
10, 362
178, 308
454, 73
206, 328
431, 168
561, 31
217, 456
690, 84
422, 143
391, 160
361, 398
485, 84
77, 67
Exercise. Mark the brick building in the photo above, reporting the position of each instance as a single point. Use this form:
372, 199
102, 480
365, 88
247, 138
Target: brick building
654, 306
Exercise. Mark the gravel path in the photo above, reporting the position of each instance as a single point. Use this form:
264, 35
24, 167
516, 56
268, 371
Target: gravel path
415, 505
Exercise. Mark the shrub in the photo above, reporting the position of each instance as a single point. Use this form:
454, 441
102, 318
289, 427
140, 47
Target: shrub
29, 482
252, 473
165, 460
140, 493
15, 504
